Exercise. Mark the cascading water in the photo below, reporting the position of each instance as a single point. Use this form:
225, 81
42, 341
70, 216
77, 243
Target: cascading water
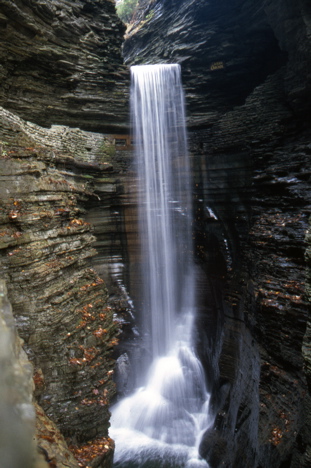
161, 423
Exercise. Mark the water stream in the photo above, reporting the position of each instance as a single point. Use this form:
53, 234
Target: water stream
161, 424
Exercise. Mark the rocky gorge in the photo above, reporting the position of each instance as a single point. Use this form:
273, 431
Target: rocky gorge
68, 213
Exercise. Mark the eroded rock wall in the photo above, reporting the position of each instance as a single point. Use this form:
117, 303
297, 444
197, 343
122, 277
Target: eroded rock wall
17, 415
262, 216
226, 48
28, 437
61, 67
49, 180
61, 63
247, 82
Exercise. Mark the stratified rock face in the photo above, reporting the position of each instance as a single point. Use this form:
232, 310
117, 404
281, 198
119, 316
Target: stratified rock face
60, 303
51, 444
226, 48
61, 63
17, 415
28, 438
247, 81
260, 197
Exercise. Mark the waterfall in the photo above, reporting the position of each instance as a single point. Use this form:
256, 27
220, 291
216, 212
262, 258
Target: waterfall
165, 203
160, 425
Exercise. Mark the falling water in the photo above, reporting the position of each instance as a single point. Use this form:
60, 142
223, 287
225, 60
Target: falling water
160, 425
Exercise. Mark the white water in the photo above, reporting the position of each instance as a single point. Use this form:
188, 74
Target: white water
161, 424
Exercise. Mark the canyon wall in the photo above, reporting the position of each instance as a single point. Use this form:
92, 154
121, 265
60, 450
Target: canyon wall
246, 73
247, 77
61, 64
61, 305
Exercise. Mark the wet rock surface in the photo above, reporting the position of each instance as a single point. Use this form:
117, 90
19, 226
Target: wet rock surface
28, 437
259, 194
247, 87
247, 80
17, 416
61, 63
51, 444
60, 303
259, 197
225, 49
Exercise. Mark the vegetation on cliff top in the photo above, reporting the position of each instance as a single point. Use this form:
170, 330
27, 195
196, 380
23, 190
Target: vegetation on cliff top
125, 9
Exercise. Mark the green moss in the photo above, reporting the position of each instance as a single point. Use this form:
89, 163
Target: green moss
110, 150
150, 15
106, 180
106, 151
3, 148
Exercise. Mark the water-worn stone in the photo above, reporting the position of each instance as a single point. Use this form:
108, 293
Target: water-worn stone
247, 82
50, 442
60, 303
225, 49
28, 437
61, 63
260, 196
17, 416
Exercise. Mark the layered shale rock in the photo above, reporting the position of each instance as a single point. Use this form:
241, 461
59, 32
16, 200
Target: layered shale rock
60, 304
247, 80
17, 416
28, 437
61, 63
247, 88
305, 436
225, 48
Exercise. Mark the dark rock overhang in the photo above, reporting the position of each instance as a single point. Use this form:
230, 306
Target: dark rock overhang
61, 63
226, 50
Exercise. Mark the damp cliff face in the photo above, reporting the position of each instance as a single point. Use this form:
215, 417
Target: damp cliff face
247, 83
247, 87
16, 388
60, 303
28, 437
226, 49
61, 63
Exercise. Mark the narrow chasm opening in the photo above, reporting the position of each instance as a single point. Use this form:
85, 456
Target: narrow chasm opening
126, 9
